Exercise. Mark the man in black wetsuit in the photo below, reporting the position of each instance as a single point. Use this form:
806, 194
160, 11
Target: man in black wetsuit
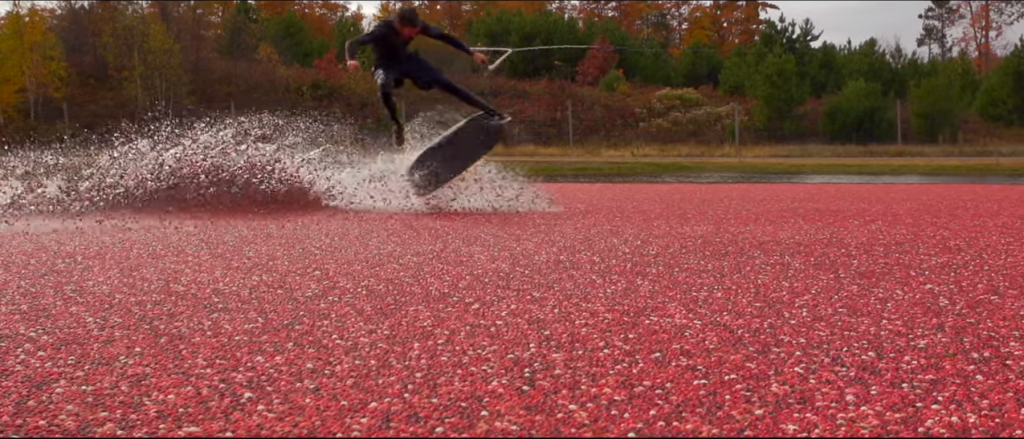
390, 39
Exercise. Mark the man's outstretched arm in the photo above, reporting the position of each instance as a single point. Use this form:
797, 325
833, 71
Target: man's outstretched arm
352, 46
440, 35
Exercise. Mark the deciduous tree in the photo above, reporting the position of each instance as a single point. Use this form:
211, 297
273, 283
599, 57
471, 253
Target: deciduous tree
388, 7
122, 36
276, 8
726, 24
77, 26
162, 66
449, 15
984, 26
266, 53
563, 8
677, 16
35, 54
590, 10
598, 62
11, 79
645, 21
481, 8
321, 15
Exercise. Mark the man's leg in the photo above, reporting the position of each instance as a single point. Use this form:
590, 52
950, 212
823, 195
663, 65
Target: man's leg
426, 77
469, 98
386, 83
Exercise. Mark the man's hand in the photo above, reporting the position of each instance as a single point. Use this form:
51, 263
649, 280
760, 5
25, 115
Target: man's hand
480, 58
353, 65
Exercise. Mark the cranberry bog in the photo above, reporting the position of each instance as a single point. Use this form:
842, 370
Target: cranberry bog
504, 307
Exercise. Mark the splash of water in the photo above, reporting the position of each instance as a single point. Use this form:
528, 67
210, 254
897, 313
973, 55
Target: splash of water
258, 160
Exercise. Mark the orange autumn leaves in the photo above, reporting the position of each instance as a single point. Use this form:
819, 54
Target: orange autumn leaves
726, 24
321, 15
452, 16
719, 23
32, 60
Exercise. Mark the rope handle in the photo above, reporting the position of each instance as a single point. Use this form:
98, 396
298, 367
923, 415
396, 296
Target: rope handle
508, 51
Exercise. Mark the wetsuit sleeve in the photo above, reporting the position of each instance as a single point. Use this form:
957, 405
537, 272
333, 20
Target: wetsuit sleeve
438, 34
352, 46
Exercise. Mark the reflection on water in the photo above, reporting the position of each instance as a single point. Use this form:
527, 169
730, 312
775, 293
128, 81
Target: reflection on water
794, 178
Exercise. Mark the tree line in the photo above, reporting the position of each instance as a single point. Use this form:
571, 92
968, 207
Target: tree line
88, 64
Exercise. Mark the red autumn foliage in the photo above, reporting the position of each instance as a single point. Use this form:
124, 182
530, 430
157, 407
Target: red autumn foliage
983, 29
328, 66
597, 63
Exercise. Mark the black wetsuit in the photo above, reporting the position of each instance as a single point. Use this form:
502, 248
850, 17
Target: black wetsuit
394, 64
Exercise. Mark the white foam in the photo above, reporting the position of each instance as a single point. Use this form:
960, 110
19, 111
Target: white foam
261, 156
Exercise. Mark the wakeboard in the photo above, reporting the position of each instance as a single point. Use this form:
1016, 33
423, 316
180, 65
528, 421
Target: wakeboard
453, 152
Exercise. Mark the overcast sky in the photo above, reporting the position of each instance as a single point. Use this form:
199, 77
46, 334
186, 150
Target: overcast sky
860, 20
838, 20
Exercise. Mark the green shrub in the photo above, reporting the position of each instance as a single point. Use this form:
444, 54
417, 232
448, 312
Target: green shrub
860, 113
614, 82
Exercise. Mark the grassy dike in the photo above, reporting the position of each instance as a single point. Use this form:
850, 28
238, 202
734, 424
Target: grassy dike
652, 166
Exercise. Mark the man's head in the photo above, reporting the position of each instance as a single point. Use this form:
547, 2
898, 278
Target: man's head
408, 21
